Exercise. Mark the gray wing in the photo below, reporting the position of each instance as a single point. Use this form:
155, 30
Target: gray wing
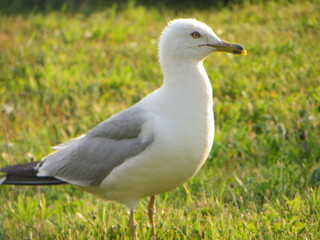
90, 159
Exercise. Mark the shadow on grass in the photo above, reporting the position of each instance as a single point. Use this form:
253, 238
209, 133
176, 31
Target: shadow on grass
24, 7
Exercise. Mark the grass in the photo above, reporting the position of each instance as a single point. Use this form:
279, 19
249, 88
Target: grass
62, 72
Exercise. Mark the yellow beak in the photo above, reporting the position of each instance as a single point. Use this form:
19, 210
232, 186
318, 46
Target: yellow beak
228, 47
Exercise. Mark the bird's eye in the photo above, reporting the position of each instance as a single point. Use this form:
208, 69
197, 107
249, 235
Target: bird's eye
195, 34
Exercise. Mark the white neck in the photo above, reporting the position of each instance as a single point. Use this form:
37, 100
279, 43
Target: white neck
187, 79
186, 91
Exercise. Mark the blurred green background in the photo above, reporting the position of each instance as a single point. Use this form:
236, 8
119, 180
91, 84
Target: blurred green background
67, 65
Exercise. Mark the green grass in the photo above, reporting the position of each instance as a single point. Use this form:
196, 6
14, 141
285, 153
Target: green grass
64, 71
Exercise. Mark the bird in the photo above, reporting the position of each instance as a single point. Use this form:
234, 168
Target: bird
151, 147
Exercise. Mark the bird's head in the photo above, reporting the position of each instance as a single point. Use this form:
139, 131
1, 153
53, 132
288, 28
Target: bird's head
194, 40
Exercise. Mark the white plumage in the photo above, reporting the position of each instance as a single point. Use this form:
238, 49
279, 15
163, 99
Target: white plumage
160, 142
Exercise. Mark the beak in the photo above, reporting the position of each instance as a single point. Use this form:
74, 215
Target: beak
228, 47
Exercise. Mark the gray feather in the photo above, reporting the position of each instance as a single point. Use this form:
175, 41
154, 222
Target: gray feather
90, 159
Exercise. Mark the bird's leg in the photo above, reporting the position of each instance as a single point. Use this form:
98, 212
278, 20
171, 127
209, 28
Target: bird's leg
132, 225
151, 211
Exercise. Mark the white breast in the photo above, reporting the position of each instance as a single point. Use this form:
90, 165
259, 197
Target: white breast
182, 125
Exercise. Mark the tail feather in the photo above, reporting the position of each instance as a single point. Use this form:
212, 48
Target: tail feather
25, 174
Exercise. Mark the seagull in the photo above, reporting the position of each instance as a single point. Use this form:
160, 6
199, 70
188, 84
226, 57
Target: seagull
153, 146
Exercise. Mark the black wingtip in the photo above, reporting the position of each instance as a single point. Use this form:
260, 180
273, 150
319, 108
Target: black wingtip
19, 180
25, 174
